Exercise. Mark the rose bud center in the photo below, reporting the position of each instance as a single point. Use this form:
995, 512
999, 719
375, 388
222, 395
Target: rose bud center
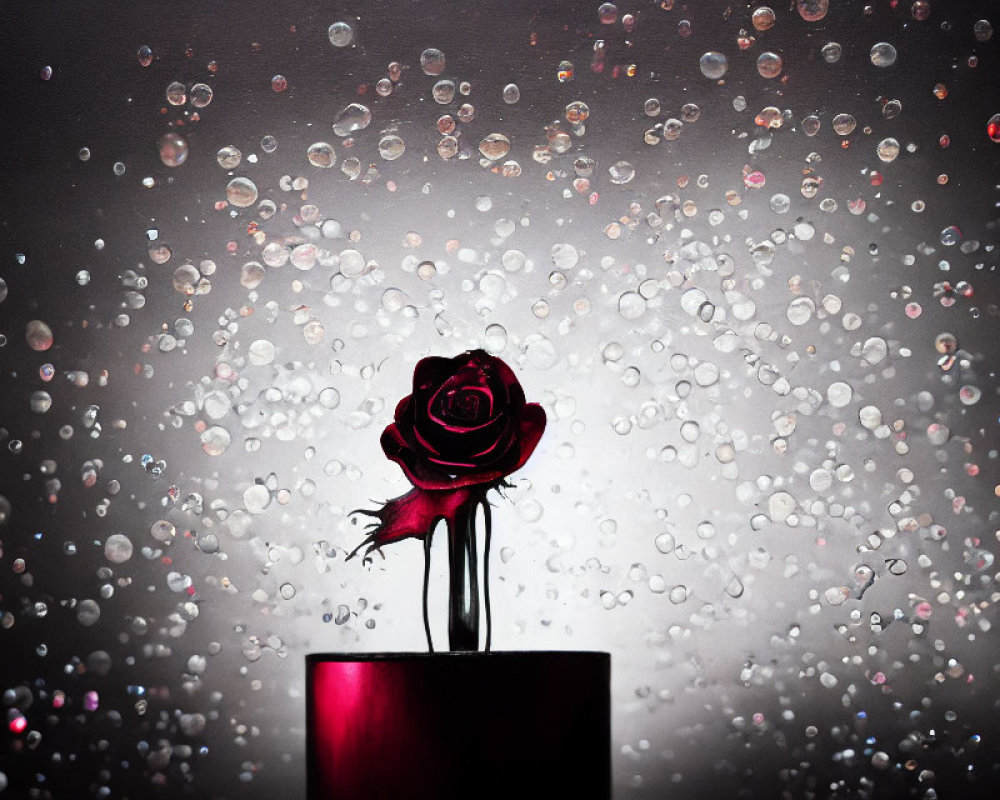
466, 405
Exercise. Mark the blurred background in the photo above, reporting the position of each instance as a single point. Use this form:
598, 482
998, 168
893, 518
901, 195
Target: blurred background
744, 256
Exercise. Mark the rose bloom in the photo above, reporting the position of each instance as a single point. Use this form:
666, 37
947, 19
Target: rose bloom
466, 423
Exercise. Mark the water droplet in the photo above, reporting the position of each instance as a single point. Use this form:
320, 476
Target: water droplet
621, 172
844, 124
176, 94
88, 612
261, 352
607, 13
352, 263
391, 146
993, 128
495, 339
432, 61
780, 203
812, 10
215, 440
494, 146
800, 310
256, 498
443, 92
118, 548
883, 54
763, 18
769, 65
38, 335
839, 394
162, 530
577, 112
539, 352
321, 154
780, 506
888, 149
631, 305
951, 236
352, 118
713, 65
340, 34
201, 95
241, 192
173, 149
40, 402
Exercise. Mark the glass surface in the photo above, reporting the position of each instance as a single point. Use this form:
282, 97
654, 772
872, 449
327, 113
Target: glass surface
744, 255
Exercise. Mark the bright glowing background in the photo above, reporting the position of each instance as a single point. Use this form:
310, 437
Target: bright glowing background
740, 494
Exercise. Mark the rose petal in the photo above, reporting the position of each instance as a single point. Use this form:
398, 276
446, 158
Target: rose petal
437, 450
404, 408
464, 445
425, 475
432, 371
417, 469
441, 410
450, 436
499, 450
434, 440
532, 426
513, 390
412, 515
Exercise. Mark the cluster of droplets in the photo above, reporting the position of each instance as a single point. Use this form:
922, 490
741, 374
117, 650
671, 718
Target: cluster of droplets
752, 397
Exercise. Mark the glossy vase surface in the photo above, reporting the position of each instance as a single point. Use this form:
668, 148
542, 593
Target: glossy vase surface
451, 725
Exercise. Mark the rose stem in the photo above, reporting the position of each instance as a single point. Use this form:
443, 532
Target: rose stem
427, 575
463, 590
486, 574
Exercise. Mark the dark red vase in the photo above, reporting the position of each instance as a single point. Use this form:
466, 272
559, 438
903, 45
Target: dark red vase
459, 725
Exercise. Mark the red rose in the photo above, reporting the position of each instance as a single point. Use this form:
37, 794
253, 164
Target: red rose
464, 429
466, 423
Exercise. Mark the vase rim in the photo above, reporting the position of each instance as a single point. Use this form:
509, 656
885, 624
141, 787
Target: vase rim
419, 655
